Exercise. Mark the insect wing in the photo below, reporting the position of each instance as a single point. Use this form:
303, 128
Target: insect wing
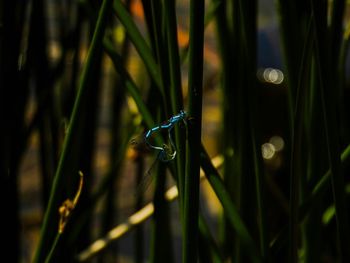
146, 180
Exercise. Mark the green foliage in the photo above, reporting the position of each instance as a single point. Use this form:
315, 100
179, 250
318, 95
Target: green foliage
290, 207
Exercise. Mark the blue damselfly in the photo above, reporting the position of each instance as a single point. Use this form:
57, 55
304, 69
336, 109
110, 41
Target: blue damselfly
166, 153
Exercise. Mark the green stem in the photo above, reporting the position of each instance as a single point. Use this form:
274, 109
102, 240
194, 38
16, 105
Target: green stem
316, 196
160, 44
175, 87
231, 212
138, 41
191, 186
53, 248
326, 70
248, 12
130, 85
51, 212
213, 250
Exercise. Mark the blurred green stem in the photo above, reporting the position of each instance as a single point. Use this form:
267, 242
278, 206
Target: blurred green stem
191, 186
232, 213
139, 42
51, 212
325, 57
51, 253
175, 87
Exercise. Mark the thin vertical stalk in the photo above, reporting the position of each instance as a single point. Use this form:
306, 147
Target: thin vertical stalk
297, 164
161, 230
287, 14
344, 51
51, 214
336, 32
208, 248
175, 86
164, 47
227, 77
248, 12
153, 92
324, 59
52, 251
191, 193
314, 163
139, 236
87, 155
295, 181
161, 54
242, 180
118, 95
310, 229
174, 57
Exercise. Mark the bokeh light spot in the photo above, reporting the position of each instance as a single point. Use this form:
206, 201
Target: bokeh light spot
268, 150
277, 142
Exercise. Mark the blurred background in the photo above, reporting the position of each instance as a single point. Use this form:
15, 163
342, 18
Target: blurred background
44, 45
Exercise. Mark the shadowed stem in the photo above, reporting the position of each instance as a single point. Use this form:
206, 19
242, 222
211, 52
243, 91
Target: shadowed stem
50, 215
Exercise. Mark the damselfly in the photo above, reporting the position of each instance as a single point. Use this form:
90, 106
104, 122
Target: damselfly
165, 153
